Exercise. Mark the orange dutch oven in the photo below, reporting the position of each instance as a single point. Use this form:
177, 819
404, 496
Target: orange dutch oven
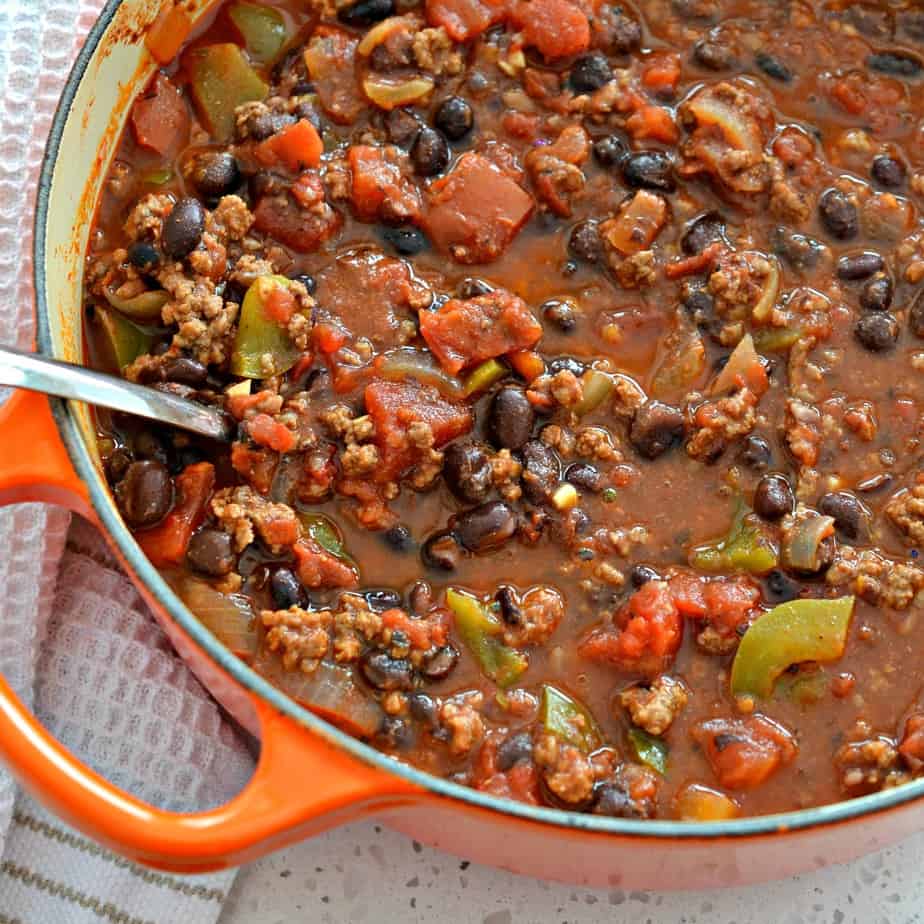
310, 776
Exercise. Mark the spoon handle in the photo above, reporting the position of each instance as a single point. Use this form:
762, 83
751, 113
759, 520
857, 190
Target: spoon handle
52, 377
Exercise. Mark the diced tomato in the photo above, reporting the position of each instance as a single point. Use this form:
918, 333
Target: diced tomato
423, 634
520, 782
912, 743
372, 511
521, 125
166, 34
637, 223
239, 405
653, 122
256, 466
318, 568
688, 592
296, 147
729, 601
745, 752
330, 58
377, 183
394, 406
265, 431
328, 337
465, 20
279, 305
661, 72
555, 28
468, 331
303, 229
160, 120
702, 262
645, 634
527, 364
476, 210
166, 543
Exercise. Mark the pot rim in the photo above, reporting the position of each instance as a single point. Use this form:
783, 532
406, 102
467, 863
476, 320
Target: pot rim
144, 571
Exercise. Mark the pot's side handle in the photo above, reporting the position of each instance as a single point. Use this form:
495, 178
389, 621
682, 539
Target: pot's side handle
302, 784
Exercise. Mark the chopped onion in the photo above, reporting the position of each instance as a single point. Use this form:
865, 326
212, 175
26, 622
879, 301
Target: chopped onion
767, 300
397, 365
802, 544
145, 306
379, 33
387, 94
743, 366
229, 617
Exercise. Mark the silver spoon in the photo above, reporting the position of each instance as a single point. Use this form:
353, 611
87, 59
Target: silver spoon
52, 377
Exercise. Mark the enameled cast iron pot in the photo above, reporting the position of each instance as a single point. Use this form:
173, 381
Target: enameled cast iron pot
310, 776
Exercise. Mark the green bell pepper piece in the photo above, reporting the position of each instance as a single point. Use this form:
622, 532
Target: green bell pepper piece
123, 341
479, 629
649, 750
262, 28
145, 306
484, 376
221, 80
775, 339
744, 548
598, 386
793, 632
325, 533
569, 720
259, 336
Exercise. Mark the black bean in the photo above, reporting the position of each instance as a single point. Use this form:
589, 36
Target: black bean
838, 214
800, 251
454, 118
773, 67
590, 72
399, 538
656, 427
117, 465
145, 493
262, 184
366, 12
612, 799
486, 527
849, 514
307, 280
851, 267
916, 315
712, 55
148, 445
513, 750
704, 230
467, 472
381, 599
584, 241
287, 589
430, 152
876, 294
441, 552
773, 497
642, 574
566, 364
440, 663
215, 174
877, 331
897, 63
779, 587
610, 151
384, 672
649, 170
402, 127
755, 453
210, 552
143, 256
186, 371
509, 605
541, 470
420, 598
510, 418
560, 314
407, 241
888, 172
183, 228
472, 288
394, 734
698, 303
584, 475
423, 708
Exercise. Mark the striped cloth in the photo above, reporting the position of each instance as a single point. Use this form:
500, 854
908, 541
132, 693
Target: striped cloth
77, 642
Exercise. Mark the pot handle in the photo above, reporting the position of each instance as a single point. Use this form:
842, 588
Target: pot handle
302, 784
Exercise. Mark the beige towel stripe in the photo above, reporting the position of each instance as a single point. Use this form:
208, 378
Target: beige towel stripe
105, 910
38, 826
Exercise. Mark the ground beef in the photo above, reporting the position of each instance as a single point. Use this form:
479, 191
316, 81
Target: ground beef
355, 626
205, 321
245, 515
435, 53
803, 431
463, 724
505, 473
301, 636
556, 172
877, 579
533, 618
869, 765
654, 706
566, 770
718, 423
738, 283
786, 202
145, 222
906, 511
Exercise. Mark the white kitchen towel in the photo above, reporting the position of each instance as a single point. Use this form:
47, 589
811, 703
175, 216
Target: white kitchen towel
76, 640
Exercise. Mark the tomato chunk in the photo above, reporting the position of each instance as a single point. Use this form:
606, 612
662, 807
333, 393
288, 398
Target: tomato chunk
464, 20
395, 406
745, 752
317, 567
160, 120
379, 188
645, 633
296, 147
302, 220
167, 542
256, 466
468, 331
476, 210
265, 431
555, 28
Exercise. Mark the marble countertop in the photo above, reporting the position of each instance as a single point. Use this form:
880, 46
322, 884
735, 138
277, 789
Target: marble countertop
366, 873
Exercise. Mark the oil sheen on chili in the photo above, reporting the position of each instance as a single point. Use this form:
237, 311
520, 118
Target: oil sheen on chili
576, 355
